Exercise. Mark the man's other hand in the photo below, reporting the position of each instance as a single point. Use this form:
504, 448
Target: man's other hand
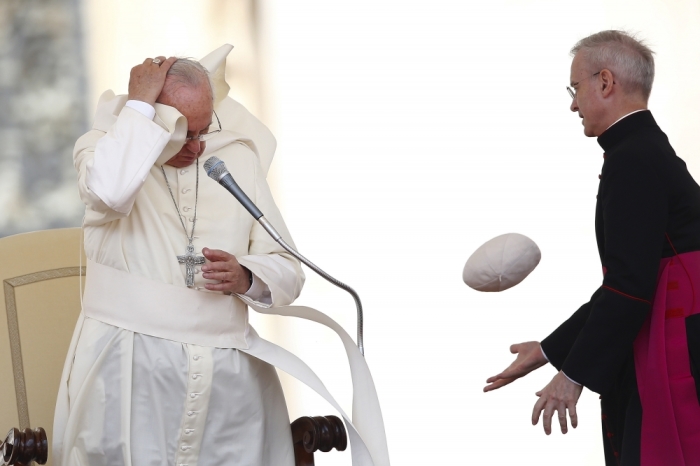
559, 395
147, 79
225, 268
529, 358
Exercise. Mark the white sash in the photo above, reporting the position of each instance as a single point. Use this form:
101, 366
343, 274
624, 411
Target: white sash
210, 319
165, 311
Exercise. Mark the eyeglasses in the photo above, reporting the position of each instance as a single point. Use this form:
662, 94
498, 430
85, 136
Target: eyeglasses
206, 136
572, 92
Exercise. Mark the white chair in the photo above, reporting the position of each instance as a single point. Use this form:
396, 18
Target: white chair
40, 274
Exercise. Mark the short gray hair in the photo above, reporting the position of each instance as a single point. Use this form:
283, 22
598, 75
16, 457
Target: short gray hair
629, 58
190, 72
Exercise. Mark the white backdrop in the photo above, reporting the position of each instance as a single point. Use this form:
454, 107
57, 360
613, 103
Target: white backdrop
409, 134
412, 132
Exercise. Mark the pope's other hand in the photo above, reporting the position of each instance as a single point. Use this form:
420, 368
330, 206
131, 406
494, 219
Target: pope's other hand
147, 79
529, 358
224, 267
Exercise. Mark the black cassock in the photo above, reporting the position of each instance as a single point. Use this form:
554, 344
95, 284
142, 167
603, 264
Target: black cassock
648, 229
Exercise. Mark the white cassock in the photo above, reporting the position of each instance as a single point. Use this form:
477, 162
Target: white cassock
159, 374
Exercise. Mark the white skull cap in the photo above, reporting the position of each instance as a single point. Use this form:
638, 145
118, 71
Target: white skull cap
215, 63
501, 263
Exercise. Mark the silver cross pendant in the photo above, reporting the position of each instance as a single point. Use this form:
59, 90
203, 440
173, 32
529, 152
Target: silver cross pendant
190, 259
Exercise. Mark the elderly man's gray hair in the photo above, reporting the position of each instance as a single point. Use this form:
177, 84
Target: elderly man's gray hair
190, 72
629, 59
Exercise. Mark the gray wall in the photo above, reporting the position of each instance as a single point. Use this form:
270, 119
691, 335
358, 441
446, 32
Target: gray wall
42, 112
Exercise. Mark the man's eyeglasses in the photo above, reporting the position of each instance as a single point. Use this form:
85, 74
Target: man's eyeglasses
206, 136
572, 92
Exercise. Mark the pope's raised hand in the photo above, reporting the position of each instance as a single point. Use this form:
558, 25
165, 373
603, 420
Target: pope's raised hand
529, 358
147, 79
224, 268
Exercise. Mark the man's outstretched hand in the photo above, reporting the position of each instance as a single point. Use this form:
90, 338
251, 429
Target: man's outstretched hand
147, 79
560, 395
529, 358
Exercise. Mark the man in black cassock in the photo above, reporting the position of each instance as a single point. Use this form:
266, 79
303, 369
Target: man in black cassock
637, 341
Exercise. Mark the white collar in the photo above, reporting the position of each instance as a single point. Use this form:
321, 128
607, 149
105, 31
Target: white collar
625, 116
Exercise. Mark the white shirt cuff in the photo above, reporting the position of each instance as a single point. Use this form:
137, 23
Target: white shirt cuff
570, 379
259, 291
142, 107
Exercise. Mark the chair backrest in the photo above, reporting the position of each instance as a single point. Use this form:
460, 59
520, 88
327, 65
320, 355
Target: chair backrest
40, 273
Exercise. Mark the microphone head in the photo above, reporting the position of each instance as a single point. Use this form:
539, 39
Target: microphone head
215, 168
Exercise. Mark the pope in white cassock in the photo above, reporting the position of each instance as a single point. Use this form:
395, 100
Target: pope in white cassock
148, 384
163, 368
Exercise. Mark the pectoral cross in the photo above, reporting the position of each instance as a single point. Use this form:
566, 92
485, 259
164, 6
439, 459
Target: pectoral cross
190, 259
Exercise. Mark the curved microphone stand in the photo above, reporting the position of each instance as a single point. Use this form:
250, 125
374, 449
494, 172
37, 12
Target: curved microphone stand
216, 169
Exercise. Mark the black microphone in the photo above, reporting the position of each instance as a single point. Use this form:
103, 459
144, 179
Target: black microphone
216, 169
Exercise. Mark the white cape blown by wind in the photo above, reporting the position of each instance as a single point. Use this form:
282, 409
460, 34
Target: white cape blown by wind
501, 263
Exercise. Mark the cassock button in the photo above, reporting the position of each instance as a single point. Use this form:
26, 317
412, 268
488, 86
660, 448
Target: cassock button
186, 209
190, 413
191, 219
605, 156
186, 190
196, 271
599, 176
183, 171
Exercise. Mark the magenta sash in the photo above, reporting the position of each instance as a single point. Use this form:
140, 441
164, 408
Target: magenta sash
670, 408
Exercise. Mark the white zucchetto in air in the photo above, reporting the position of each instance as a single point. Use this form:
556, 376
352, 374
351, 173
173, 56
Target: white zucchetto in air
501, 263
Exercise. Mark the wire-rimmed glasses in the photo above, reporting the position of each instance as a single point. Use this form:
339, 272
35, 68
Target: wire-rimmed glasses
206, 136
572, 92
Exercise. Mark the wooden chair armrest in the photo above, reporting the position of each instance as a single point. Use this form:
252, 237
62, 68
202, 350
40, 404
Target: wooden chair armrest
310, 434
20, 448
